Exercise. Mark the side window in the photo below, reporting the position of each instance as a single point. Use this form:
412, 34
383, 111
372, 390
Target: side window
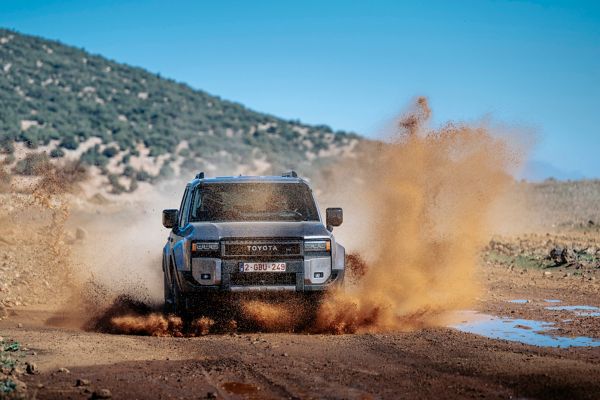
196, 204
183, 209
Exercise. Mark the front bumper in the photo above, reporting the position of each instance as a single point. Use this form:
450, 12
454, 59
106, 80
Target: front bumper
225, 277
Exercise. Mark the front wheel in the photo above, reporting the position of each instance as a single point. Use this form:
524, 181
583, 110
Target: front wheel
168, 304
175, 301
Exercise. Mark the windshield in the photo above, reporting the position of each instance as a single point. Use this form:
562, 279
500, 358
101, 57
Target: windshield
253, 202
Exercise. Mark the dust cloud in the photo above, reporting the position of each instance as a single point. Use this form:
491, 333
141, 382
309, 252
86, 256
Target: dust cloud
417, 208
419, 214
424, 200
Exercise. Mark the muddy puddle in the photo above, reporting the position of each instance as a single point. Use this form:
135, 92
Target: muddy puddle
243, 389
532, 332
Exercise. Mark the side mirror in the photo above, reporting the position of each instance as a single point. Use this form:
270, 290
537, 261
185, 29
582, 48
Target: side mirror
169, 218
334, 217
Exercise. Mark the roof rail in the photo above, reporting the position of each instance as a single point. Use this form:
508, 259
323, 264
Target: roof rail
200, 175
290, 174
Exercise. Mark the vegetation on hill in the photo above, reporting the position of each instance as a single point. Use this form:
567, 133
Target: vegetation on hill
58, 95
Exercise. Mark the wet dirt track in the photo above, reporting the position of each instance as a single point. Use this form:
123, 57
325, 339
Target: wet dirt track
434, 363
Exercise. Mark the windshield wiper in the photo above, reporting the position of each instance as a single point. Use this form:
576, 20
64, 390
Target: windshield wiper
294, 213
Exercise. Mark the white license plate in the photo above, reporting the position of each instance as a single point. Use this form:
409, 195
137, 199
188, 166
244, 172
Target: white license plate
262, 267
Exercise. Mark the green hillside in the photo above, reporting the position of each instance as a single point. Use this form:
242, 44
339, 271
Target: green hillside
59, 97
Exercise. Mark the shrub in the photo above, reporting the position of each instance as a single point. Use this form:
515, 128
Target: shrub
143, 176
70, 143
32, 164
184, 152
166, 171
57, 153
117, 188
133, 185
6, 146
94, 157
129, 171
110, 152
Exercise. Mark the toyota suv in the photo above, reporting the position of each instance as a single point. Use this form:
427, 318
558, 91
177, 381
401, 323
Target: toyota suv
249, 234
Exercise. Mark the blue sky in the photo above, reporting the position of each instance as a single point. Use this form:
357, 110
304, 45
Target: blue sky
355, 64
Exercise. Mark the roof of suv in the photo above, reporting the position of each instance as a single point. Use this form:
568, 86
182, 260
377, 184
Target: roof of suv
249, 179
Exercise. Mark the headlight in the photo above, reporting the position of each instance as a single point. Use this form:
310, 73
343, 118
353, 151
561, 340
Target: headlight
202, 247
317, 245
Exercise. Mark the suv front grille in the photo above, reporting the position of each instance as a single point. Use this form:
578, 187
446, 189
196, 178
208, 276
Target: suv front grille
262, 248
262, 278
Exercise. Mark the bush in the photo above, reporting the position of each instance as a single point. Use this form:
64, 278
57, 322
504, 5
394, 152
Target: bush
30, 138
133, 185
129, 171
143, 176
94, 157
117, 188
166, 171
110, 152
70, 143
184, 153
32, 164
6, 146
57, 153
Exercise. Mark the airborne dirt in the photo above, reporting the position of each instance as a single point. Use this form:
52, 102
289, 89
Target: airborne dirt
85, 288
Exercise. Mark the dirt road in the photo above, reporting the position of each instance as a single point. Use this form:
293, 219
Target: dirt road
431, 363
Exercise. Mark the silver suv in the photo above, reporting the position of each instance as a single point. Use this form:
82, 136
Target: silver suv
249, 234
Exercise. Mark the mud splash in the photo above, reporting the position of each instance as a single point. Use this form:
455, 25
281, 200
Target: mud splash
129, 316
271, 317
426, 195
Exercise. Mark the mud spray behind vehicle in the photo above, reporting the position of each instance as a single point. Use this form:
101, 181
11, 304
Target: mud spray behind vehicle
249, 235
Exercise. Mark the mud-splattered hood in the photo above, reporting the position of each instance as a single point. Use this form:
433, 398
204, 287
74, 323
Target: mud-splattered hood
217, 231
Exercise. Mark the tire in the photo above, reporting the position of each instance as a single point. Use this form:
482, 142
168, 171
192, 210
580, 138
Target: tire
174, 300
168, 304
178, 302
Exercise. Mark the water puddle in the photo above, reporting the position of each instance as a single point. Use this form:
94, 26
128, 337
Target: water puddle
583, 311
519, 301
552, 301
243, 389
536, 333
